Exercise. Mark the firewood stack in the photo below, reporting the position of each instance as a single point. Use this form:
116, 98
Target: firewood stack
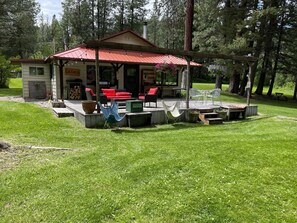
74, 93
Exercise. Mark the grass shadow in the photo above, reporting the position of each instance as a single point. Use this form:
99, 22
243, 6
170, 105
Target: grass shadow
156, 128
4, 92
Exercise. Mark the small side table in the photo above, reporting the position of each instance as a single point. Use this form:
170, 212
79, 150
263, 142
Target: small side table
138, 119
235, 111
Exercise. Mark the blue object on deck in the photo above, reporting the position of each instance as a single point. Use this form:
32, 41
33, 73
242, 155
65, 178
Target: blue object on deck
111, 114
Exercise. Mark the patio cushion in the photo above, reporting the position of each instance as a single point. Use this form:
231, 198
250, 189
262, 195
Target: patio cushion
153, 90
112, 94
141, 97
125, 94
109, 92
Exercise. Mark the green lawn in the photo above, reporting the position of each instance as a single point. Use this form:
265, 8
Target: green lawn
241, 171
15, 88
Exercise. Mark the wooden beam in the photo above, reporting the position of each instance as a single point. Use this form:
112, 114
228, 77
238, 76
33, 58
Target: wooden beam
129, 47
97, 79
61, 66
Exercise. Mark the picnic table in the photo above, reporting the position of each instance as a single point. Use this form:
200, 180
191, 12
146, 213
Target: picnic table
280, 96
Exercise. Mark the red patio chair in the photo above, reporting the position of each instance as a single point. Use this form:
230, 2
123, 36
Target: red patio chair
92, 96
150, 96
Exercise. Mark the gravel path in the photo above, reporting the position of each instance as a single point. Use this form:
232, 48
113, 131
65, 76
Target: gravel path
42, 103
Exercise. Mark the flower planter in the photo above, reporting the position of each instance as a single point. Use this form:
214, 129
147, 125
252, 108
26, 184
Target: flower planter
193, 116
222, 113
88, 106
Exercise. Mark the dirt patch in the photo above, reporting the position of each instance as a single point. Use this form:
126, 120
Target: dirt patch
13, 156
12, 98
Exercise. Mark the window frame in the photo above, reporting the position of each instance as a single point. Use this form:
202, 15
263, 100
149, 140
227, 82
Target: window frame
36, 71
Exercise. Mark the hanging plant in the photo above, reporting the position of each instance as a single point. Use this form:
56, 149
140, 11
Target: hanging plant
166, 68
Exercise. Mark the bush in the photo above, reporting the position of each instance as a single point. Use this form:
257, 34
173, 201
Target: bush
5, 72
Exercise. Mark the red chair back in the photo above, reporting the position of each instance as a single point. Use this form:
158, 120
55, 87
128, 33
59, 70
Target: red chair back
153, 90
91, 91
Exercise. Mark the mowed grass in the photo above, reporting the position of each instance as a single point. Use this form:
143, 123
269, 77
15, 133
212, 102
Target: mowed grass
15, 88
241, 171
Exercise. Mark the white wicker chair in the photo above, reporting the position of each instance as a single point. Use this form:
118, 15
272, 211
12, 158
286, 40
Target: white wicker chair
196, 94
215, 94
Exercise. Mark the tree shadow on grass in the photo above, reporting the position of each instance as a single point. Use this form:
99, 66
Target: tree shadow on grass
160, 128
262, 100
11, 92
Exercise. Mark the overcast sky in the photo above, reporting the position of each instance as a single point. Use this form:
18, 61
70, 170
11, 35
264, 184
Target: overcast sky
54, 7
50, 8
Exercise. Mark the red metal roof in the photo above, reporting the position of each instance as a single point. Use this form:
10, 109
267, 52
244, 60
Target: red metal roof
120, 56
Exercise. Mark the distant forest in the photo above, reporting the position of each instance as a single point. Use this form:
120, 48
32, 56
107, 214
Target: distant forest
264, 29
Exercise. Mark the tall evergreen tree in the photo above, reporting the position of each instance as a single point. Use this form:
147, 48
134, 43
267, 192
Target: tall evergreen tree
18, 28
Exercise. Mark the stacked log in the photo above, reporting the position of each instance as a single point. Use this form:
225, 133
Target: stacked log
75, 93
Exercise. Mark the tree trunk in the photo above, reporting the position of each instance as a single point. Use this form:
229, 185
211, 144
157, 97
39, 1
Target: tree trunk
295, 90
103, 30
98, 19
266, 65
132, 15
188, 42
234, 82
219, 81
243, 83
93, 19
122, 16
277, 56
189, 25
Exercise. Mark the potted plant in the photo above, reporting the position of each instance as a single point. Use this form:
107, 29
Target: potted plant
88, 106
222, 113
193, 116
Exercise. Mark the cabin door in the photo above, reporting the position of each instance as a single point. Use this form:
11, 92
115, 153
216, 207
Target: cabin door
131, 79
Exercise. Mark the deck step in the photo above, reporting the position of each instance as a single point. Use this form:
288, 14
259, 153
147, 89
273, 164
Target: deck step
211, 121
63, 112
210, 118
209, 115
205, 110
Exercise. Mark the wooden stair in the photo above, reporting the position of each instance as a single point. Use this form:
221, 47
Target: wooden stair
209, 118
63, 112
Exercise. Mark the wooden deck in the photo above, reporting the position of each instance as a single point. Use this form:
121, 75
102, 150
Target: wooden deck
96, 120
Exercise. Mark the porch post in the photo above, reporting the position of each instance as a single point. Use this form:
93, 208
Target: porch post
61, 65
248, 86
97, 79
188, 82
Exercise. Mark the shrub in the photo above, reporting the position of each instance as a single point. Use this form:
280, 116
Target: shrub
5, 72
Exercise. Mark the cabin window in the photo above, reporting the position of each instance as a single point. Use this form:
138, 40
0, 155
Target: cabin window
36, 71
168, 79
107, 75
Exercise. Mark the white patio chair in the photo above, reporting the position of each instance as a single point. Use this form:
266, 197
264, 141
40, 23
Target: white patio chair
197, 94
213, 95
172, 112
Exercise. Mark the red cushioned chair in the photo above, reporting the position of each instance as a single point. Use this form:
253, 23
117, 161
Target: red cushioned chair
92, 96
150, 96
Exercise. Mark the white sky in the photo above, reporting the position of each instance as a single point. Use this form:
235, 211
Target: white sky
54, 7
50, 8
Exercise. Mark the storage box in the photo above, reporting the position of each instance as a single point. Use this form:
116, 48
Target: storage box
134, 106
138, 119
